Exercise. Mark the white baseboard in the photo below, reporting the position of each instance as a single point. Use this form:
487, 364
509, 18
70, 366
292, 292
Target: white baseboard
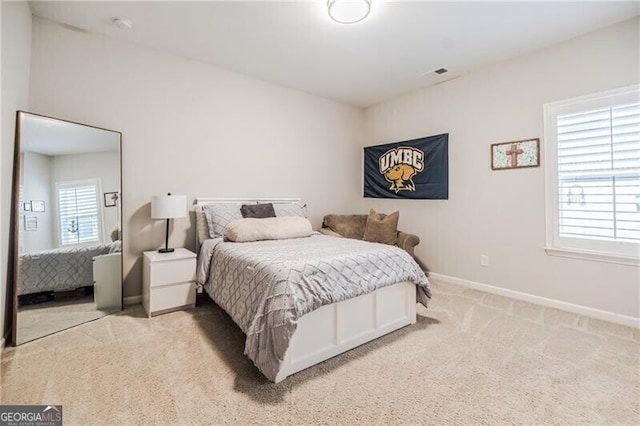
543, 301
132, 300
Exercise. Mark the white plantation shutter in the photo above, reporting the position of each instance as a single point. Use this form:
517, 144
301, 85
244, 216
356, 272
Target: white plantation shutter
78, 210
596, 144
598, 173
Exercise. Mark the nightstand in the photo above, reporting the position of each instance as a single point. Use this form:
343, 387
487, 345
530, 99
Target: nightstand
168, 281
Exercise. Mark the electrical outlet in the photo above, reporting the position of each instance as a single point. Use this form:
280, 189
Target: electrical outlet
484, 260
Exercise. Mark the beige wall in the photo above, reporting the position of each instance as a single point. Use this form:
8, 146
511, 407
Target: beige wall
502, 213
189, 128
16, 54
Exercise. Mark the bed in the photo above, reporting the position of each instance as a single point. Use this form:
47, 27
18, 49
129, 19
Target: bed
301, 301
60, 269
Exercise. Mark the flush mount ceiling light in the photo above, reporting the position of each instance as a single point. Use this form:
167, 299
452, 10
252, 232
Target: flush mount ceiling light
348, 11
123, 23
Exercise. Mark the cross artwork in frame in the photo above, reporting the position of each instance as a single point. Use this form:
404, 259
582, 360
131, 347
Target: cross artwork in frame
110, 199
516, 154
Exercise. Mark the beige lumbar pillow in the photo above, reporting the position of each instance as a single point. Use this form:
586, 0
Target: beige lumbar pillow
382, 229
269, 228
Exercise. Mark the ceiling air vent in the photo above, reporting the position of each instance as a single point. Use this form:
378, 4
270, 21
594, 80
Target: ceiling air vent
436, 72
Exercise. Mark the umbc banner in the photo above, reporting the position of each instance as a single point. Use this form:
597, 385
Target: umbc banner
415, 169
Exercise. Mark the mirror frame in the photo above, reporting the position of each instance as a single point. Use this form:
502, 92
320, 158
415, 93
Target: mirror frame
15, 201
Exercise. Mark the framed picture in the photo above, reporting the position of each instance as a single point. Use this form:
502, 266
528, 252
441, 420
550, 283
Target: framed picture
26, 207
31, 223
37, 206
110, 199
516, 154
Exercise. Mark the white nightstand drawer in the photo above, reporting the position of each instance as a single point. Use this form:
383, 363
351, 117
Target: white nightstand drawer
173, 271
173, 296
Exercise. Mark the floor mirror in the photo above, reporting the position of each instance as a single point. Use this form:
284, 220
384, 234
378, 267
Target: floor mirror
67, 232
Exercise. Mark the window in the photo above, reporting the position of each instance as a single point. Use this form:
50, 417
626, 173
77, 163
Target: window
593, 176
78, 212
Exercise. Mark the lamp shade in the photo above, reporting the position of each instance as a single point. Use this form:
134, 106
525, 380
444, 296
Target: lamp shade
168, 206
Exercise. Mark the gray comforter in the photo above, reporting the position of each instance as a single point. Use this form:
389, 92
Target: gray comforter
60, 269
266, 286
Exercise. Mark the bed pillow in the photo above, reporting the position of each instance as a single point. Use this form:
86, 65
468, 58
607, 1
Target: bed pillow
201, 224
219, 215
257, 210
290, 209
382, 229
269, 228
115, 247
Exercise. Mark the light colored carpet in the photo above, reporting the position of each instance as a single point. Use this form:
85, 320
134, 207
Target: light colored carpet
472, 358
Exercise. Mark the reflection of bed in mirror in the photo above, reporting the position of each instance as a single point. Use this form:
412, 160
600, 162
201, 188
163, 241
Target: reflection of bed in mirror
68, 248
60, 269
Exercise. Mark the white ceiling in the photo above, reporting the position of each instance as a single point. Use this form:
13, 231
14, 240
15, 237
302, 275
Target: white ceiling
295, 44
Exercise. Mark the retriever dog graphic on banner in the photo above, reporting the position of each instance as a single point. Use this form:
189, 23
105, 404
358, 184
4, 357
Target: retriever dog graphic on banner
415, 169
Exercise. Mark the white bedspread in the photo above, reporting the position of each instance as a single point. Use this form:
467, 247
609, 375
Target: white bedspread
266, 286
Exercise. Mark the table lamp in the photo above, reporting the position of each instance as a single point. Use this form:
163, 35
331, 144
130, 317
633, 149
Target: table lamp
168, 207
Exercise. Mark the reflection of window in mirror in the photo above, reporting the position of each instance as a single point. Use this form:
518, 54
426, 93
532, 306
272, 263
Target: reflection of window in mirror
79, 218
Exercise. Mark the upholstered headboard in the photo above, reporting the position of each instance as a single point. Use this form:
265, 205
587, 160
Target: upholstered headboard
202, 228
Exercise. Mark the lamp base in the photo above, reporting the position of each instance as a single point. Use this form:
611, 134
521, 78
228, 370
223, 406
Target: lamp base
166, 250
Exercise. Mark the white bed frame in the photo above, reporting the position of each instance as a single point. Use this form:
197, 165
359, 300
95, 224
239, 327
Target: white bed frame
339, 327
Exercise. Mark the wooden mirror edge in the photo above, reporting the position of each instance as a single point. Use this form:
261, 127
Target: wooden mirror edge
14, 225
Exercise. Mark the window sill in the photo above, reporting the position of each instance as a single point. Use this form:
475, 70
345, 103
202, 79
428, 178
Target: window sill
594, 256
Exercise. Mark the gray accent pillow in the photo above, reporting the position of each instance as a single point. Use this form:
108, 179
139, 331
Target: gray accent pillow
290, 209
257, 211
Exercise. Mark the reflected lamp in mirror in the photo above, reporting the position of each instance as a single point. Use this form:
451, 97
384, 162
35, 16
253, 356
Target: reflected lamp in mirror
168, 207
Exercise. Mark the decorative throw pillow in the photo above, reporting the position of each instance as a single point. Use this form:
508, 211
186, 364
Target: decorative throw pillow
257, 210
202, 228
347, 225
116, 234
219, 215
269, 228
290, 209
115, 247
382, 229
